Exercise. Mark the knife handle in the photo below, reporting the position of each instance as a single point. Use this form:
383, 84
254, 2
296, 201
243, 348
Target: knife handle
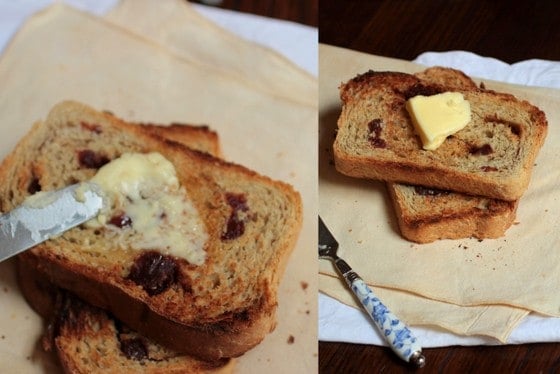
401, 340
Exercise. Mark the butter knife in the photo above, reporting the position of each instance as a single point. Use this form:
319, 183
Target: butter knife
47, 214
399, 337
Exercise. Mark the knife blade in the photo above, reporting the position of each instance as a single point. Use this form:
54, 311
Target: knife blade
47, 214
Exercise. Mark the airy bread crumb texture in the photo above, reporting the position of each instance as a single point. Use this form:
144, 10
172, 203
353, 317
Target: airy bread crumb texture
492, 156
229, 302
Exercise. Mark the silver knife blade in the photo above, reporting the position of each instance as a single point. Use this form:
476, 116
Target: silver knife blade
47, 214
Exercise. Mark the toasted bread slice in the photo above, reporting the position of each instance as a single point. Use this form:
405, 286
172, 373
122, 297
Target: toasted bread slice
87, 339
200, 138
79, 332
221, 308
425, 214
492, 156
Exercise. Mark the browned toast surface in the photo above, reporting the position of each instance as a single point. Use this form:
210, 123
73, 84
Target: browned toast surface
492, 156
219, 309
425, 214
87, 339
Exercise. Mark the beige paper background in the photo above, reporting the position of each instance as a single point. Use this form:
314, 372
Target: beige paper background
495, 321
174, 24
65, 54
520, 269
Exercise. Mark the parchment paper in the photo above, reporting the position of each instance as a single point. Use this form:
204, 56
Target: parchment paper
491, 321
519, 270
174, 24
62, 54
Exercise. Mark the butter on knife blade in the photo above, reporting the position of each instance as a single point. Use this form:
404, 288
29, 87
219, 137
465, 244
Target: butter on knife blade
47, 214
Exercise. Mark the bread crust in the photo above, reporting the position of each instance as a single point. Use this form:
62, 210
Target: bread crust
72, 321
424, 218
199, 137
220, 309
513, 129
230, 336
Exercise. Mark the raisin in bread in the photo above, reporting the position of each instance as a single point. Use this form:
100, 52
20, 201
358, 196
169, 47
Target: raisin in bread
425, 214
221, 308
492, 156
87, 339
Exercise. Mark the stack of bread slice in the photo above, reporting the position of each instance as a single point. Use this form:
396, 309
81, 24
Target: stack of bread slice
470, 185
163, 313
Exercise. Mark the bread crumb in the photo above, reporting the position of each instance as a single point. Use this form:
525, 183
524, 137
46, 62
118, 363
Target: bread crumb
291, 339
304, 285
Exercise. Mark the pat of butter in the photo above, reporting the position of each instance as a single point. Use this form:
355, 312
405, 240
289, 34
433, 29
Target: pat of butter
145, 188
134, 173
438, 116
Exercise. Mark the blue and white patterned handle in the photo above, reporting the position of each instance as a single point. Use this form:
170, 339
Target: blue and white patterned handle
393, 330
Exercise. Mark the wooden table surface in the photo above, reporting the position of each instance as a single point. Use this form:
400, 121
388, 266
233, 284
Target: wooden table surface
300, 11
508, 30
